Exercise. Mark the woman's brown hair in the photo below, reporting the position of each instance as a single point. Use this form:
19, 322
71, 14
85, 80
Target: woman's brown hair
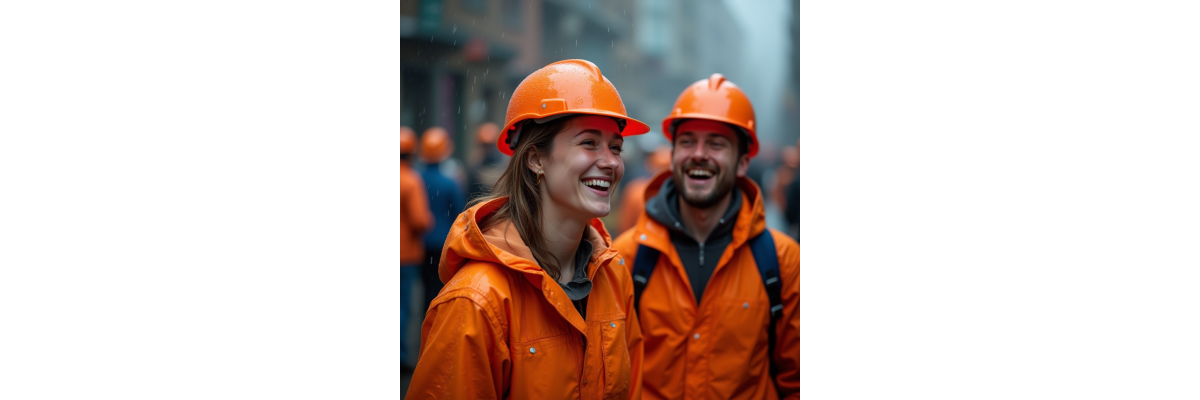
519, 184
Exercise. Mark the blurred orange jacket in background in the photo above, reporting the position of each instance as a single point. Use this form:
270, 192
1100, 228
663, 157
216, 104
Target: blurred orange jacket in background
415, 218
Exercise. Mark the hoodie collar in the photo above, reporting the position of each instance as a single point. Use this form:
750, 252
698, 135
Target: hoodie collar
664, 208
750, 221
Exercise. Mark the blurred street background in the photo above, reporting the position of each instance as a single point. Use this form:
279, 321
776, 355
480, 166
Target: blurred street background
461, 59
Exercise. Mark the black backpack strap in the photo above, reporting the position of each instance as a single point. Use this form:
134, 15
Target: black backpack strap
643, 266
765, 255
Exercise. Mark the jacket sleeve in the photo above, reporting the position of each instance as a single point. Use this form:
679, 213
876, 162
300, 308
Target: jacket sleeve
633, 337
787, 330
463, 355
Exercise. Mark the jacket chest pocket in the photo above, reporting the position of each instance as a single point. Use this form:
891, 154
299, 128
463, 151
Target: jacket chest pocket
617, 365
542, 369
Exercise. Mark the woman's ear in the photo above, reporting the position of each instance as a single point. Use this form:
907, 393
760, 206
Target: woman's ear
533, 160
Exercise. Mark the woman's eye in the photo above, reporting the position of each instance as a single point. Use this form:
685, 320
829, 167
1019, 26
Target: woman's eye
617, 149
589, 142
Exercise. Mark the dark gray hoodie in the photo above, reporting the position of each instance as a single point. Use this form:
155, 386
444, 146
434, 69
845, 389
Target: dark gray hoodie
699, 259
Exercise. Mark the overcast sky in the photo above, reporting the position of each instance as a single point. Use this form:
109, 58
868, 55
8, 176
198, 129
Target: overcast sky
765, 35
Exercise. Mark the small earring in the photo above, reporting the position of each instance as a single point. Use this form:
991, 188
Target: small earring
539, 182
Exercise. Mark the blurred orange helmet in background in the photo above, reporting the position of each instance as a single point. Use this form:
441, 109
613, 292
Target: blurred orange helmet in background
791, 157
436, 145
487, 133
658, 160
715, 99
563, 88
408, 140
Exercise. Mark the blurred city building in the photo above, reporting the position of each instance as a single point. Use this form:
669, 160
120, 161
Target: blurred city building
460, 59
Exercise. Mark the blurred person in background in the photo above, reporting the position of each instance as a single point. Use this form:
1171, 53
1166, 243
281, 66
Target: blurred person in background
717, 291
446, 200
536, 303
632, 202
415, 219
792, 200
784, 174
488, 163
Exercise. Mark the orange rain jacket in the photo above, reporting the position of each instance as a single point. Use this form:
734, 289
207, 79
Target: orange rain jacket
503, 328
717, 350
415, 217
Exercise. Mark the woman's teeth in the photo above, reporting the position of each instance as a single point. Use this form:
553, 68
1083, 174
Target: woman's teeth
596, 183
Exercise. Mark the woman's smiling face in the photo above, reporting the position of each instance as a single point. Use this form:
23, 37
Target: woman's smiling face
583, 168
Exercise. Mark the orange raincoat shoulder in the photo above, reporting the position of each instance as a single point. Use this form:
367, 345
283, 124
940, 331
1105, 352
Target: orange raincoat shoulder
503, 328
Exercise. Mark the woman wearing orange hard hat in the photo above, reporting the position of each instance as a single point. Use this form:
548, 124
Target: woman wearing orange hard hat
536, 303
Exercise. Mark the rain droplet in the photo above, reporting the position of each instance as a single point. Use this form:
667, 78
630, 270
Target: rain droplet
460, 109
455, 29
455, 43
430, 38
576, 42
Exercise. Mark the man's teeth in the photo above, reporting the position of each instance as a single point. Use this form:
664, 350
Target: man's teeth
596, 183
700, 172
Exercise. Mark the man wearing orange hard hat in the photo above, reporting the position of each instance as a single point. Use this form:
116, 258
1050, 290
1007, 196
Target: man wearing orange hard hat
717, 291
415, 219
446, 200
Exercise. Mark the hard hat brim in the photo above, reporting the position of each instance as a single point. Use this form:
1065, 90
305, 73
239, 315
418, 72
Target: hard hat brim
752, 147
633, 127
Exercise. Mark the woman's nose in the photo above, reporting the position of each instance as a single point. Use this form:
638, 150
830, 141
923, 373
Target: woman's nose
609, 160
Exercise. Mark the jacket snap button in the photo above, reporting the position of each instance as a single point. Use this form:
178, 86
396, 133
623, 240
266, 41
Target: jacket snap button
745, 305
621, 262
696, 336
643, 237
585, 381
612, 324
532, 350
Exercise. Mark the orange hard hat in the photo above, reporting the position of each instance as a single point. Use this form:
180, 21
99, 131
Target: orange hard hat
659, 160
408, 140
714, 99
436, 145
487, 133
563, 88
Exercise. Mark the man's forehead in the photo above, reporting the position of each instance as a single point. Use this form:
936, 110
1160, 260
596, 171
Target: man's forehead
703, 126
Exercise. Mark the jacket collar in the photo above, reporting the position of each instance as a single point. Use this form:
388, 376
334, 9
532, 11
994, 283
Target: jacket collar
501, 244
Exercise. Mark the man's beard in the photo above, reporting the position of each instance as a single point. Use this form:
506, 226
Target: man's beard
722, 188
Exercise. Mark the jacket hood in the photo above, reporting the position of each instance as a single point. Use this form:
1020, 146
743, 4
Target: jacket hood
751, 218
501, 244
